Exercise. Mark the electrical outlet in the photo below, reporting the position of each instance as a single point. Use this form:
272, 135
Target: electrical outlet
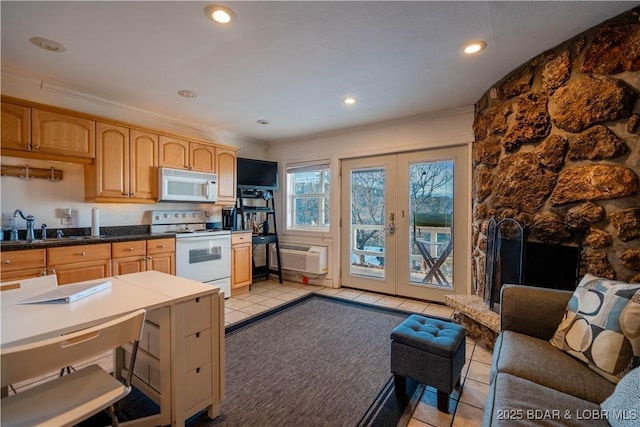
8, 220
66, 220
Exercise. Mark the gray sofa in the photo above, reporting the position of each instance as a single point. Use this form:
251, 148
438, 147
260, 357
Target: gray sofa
532, 382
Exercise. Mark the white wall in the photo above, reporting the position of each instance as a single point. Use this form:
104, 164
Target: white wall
44, 199
434, 131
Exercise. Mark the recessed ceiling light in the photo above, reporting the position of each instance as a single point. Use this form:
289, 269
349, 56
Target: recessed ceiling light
349, 100
187, 93
474, 46
46, 44
262, 122
219, 14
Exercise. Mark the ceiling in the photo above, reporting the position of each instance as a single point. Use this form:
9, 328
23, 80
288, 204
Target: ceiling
290, 63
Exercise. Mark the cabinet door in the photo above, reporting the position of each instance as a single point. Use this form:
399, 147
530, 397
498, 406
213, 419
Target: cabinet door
143, 177
112, 161
128, 265
16, 127
78, 272
241, 265
226, 169
22, 274
173, 152
202, 157
164, 263
63, 135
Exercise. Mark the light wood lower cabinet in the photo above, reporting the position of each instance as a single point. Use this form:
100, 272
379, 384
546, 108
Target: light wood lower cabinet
241, 256
128, 257
23, 264
92, 261
78, 263
161, 255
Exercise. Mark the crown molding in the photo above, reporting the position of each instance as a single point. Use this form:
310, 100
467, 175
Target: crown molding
113, 105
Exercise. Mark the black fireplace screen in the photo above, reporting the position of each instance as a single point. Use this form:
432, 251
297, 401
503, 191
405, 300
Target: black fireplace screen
515, 258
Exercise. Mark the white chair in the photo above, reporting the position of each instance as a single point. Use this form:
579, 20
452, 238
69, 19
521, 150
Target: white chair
67, 400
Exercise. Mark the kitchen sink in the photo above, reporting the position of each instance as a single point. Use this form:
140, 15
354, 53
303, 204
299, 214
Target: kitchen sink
54, 240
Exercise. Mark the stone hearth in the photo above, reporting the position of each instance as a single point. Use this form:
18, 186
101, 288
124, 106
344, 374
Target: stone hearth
481, 324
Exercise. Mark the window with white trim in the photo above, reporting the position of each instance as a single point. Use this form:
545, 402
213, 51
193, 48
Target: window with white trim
308, 196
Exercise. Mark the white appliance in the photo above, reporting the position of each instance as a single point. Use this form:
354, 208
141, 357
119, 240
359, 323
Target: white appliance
305, 259
177, 185
202, 254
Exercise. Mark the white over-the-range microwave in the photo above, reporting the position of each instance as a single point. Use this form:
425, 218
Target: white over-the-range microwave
177, 185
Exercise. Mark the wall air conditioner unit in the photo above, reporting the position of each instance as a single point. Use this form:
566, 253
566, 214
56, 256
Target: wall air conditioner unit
305, 259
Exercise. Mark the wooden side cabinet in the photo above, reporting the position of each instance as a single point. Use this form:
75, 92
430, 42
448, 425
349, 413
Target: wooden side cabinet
241, 256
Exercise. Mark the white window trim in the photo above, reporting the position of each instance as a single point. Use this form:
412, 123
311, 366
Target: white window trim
288, 197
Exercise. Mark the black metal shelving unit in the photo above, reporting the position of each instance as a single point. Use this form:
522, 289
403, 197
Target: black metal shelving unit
262, 206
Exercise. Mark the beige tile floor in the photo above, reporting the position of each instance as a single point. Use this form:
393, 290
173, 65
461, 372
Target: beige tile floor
466, 403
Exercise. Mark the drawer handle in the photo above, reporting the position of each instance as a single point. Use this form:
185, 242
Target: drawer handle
197, 370
161, 246
130, 249
83, 253
197, 334
7, 261
198, 300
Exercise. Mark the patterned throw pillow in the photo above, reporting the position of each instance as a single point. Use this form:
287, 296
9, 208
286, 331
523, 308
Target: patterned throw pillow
601, 326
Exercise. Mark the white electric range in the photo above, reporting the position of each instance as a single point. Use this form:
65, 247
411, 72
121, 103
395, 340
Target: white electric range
202, 254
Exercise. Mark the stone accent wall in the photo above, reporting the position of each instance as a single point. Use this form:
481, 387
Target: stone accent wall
559, 138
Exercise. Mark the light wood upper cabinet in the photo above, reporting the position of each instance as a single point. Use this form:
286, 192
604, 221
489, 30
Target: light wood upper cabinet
125, 167
143, 177
182, 154
226, 169
62, 134
16, 127
174, 152
202, 157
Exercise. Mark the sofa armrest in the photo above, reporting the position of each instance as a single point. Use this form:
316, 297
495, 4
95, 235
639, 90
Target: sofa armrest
532, 311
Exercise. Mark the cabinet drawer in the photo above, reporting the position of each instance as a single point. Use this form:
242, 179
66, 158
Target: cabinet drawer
127, 249
237, 238
79, 253
197, 350
22, 260
150, 340
197, 315
197, 385
161, 246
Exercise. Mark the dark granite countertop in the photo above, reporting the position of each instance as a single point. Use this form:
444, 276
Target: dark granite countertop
82, 236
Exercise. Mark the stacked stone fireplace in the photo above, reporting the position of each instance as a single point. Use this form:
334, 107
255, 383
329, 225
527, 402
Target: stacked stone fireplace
557, 140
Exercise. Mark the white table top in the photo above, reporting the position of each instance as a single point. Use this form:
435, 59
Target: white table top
150, 289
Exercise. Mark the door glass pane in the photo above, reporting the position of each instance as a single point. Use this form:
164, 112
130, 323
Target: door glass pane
431, 223
367, 222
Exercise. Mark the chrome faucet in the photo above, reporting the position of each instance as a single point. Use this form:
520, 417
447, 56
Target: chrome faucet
30, 224
43, 229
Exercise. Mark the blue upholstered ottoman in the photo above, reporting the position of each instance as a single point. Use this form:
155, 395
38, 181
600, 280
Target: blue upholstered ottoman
429, 351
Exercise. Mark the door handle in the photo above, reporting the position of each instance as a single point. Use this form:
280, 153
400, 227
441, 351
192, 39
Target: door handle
391, 229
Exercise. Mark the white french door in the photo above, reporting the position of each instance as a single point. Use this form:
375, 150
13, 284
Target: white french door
405, 223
